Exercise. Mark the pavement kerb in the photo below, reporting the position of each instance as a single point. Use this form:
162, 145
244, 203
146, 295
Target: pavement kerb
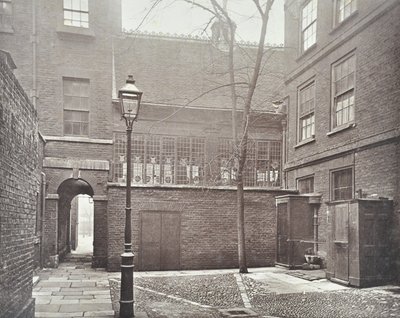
242, 290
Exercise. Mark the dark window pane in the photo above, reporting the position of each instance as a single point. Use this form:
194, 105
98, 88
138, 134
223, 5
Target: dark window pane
342, 184
306, 185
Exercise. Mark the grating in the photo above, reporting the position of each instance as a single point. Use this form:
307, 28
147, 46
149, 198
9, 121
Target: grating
238, 313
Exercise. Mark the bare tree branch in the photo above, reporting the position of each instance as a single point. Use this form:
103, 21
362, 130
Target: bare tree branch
257, 3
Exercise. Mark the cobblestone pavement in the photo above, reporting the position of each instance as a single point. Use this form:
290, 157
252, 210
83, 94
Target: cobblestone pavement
80, 291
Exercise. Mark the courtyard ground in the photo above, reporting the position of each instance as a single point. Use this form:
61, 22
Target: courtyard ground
77, 290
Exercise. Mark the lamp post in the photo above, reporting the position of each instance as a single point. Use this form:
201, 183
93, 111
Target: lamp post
129, 96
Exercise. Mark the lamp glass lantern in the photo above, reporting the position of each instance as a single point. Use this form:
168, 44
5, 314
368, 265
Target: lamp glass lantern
130, 97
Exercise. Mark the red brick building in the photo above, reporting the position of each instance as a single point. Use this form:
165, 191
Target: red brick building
73, 62
343, 99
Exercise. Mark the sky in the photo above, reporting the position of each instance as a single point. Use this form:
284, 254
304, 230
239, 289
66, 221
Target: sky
176, 16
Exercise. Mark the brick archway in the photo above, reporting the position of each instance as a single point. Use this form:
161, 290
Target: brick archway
67, 190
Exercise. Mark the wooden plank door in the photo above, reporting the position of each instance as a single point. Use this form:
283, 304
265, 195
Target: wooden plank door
341, 242
150, 241
170, 241
160, 241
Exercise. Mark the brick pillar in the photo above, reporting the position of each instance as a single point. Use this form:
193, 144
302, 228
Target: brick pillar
50, 227
100, 231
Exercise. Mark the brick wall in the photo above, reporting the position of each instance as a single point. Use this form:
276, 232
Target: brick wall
379, 180
376, 88
371, 145
19, 188
208, 233
176, 70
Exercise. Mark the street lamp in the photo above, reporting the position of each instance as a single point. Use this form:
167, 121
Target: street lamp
129, 97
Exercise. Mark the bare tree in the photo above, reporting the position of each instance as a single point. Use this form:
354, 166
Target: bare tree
224, 28
240, 130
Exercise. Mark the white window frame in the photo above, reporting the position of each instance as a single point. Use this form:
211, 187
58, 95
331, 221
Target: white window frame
344, 9
76, 108
306, 119
343, 91
76, 13
308, 24
4, 24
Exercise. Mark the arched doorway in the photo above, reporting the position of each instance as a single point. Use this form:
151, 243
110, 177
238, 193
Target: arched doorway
67, 191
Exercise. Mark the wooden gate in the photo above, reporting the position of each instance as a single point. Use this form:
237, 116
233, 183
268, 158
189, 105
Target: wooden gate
160, 240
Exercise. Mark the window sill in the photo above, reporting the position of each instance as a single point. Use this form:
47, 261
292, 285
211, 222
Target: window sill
339, 25
341, 128
306, 52
71, 32
78, 139
339, 201
305, 142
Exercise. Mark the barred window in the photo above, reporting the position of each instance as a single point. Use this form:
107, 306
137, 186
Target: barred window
306, 112
227, 162
343, 84
262, 167
161, 159
76, 106
5, 14
76, 13
309, 25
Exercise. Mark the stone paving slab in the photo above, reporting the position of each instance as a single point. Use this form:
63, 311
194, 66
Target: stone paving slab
57, 315
85, 307
70, 291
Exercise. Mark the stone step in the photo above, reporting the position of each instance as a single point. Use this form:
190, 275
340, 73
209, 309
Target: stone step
78, 258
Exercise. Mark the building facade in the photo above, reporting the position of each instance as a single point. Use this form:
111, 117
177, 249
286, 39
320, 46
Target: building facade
343, 98
184, 216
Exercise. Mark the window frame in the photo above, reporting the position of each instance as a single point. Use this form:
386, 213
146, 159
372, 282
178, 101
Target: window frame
69, 108
187, 165
350, 108
332, 183
308, 177
336, 17
7, 27
171, 160
82, 23
310, 25
303, 116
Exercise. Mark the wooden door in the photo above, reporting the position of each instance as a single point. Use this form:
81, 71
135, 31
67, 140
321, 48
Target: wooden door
170, 241
282, 255
150, 241
160, 241
341, 242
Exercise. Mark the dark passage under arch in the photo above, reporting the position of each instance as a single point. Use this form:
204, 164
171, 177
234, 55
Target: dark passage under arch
67, 190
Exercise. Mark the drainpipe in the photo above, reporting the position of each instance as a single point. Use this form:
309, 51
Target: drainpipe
283, 172
34, 44
43, 207
315, 224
